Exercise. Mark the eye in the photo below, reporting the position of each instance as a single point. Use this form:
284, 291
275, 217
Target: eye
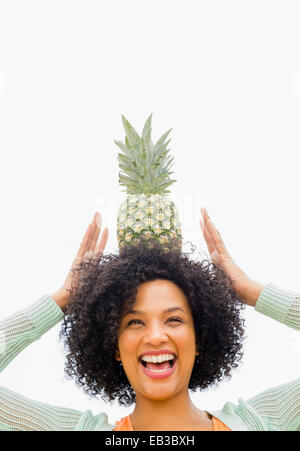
134, 321
175, 319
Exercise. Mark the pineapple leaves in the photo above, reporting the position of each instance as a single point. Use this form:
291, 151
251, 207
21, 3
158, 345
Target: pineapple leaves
146, 133
124, 159
128, 182
127, 166
144, 167
132, 135
161, 140
133, 152
123, 147
166, 184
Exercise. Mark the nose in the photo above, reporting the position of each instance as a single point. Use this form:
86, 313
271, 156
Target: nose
155, 335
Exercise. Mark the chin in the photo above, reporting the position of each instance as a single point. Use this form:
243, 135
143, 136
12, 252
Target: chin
160, 394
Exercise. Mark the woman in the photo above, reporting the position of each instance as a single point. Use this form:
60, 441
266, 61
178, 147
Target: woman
145, 327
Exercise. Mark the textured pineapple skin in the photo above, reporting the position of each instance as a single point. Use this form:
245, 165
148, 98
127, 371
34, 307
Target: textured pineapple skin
149, 216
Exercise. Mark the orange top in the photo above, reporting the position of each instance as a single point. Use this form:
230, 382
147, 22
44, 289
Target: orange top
218, 425
125, 424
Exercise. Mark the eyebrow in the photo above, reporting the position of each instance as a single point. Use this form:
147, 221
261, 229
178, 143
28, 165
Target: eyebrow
140, 312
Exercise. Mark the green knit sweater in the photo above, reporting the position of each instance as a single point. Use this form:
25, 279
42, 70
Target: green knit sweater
276, 409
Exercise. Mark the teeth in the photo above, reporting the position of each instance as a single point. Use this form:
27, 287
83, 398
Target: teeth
157, 371
157, 358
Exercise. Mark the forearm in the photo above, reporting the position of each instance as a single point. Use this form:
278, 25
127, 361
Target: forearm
279, 406
18, 413
281, 305
61, 298
249, 292
22, 328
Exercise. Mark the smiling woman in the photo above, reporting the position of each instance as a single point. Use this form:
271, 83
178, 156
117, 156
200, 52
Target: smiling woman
146, 300
158, 349
145, 327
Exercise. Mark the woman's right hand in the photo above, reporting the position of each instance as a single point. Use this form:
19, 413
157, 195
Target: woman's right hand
247, 289
89, 246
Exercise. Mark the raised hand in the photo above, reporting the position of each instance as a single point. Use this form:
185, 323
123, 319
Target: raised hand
89, 247
247, 289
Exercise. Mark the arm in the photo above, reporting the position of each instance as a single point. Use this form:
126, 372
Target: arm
281, 305
26, 326
277, 408
18, 413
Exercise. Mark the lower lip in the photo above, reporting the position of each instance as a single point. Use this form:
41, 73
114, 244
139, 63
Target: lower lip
161, 375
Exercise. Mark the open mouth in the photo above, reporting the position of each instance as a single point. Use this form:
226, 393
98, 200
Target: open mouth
158, 369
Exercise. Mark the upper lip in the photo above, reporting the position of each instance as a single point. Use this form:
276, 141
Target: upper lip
163, 351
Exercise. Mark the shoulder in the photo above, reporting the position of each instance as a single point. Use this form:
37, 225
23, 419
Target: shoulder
274, 409
240, 417
90, 422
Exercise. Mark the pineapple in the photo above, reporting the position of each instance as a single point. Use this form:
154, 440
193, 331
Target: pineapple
147, 212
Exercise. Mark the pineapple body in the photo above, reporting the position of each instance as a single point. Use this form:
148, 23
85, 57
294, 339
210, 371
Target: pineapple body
148, 216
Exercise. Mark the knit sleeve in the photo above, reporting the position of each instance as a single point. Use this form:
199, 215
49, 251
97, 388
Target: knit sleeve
26, 326
18, 413
281, 305
280, 406
277, 408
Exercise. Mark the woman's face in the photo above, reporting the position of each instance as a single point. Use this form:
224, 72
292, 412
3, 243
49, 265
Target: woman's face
160, 320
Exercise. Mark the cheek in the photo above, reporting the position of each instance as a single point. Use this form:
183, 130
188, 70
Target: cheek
184, 336
185, 341
128, 344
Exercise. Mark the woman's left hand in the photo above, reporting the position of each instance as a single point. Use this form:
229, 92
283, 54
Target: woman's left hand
89, 247
247, 289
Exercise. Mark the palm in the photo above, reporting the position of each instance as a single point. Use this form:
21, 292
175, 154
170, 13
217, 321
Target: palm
89, 247
247, 289
219, 253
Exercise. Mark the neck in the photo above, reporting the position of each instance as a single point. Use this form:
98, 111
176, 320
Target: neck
177, 413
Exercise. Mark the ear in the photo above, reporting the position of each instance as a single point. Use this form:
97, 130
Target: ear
117, 355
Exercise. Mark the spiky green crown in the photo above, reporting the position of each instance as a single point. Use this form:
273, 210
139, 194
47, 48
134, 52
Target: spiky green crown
144, 167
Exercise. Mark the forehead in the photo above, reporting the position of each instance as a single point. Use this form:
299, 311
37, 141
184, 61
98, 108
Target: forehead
160, 295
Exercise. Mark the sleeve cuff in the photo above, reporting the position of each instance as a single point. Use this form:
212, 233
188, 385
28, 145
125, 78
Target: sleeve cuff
275, 302
44, 314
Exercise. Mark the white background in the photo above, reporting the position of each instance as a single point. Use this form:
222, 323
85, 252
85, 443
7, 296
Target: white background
225, 76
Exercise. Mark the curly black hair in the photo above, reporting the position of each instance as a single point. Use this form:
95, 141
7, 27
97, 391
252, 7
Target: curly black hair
106, 283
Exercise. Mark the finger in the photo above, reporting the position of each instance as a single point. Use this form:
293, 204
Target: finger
98, 220
94, 227
102, 243
216, 237
207, 218
214, 233
208, 239
205, 214
84, 243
